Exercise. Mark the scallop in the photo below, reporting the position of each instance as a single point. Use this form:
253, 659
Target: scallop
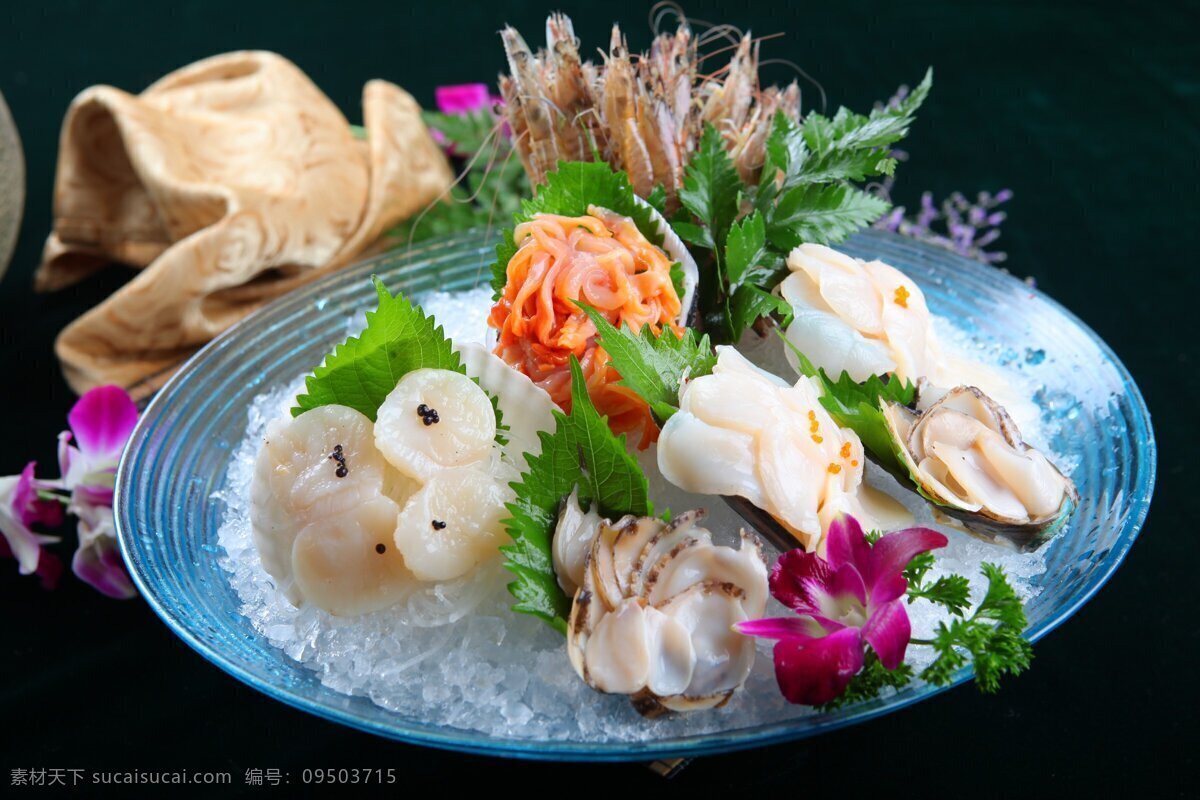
321, 462
433, 420
311, 467
654, 614
346, 564
857, 317
452, 524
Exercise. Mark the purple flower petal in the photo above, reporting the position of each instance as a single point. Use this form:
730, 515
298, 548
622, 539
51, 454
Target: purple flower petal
848, 581
802, 628
463, 98
22, 543
49, 570
98, 560
891, 555
794, 578
846, 544
101, 567
817, 671
102, 420
887, 632
31, 508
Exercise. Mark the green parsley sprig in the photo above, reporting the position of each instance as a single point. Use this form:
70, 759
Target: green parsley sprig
991, 639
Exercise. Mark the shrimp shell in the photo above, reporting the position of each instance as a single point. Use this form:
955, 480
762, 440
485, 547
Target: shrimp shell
642, 114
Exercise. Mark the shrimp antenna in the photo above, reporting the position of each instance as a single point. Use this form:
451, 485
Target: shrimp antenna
490, 139
799, 71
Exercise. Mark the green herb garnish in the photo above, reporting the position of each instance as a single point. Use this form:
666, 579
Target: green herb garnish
582, 454
806, 193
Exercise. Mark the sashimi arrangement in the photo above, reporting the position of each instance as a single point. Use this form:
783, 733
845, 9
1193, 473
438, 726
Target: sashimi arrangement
679, 248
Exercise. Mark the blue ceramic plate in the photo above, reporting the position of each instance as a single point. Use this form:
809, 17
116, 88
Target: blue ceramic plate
167, 517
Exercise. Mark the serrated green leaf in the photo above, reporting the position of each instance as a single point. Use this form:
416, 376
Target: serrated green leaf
364, 369
746, 249
749, 303
822, 214
787, 151
652, 366
711, 186
469, 132
489, 191
584, 454
886, 126
694, 234
658, 198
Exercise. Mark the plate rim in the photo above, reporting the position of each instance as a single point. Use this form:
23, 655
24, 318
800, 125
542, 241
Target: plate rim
413, 731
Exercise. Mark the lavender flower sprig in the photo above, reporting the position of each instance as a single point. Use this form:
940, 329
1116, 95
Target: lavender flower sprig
960, 225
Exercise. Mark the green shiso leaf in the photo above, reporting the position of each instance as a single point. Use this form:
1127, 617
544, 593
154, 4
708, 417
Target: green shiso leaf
653, 366
584, 454
364, 369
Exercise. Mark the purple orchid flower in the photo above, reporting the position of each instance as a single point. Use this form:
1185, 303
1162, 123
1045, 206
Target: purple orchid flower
98, 560
464, 98
851, 598
20, 509
101, 422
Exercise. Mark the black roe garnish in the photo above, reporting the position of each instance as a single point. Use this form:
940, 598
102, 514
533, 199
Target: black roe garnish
381, 548
338, 456
428, 415
438, 525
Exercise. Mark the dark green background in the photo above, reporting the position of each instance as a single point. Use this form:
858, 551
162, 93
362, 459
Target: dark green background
1088, 112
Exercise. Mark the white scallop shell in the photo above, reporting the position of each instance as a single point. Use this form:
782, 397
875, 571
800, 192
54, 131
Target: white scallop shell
527, 408
673, 246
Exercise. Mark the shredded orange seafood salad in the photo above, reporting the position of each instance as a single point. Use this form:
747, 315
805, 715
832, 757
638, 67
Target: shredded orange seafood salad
603, 259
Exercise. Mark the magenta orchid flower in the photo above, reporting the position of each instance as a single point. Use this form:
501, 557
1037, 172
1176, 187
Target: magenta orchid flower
101, 422
98, 560
464, 98
20, 509
851, 598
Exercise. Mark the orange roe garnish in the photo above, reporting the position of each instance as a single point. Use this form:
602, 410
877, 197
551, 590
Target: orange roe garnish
834, 469
845, 452
603, 259
902, 296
